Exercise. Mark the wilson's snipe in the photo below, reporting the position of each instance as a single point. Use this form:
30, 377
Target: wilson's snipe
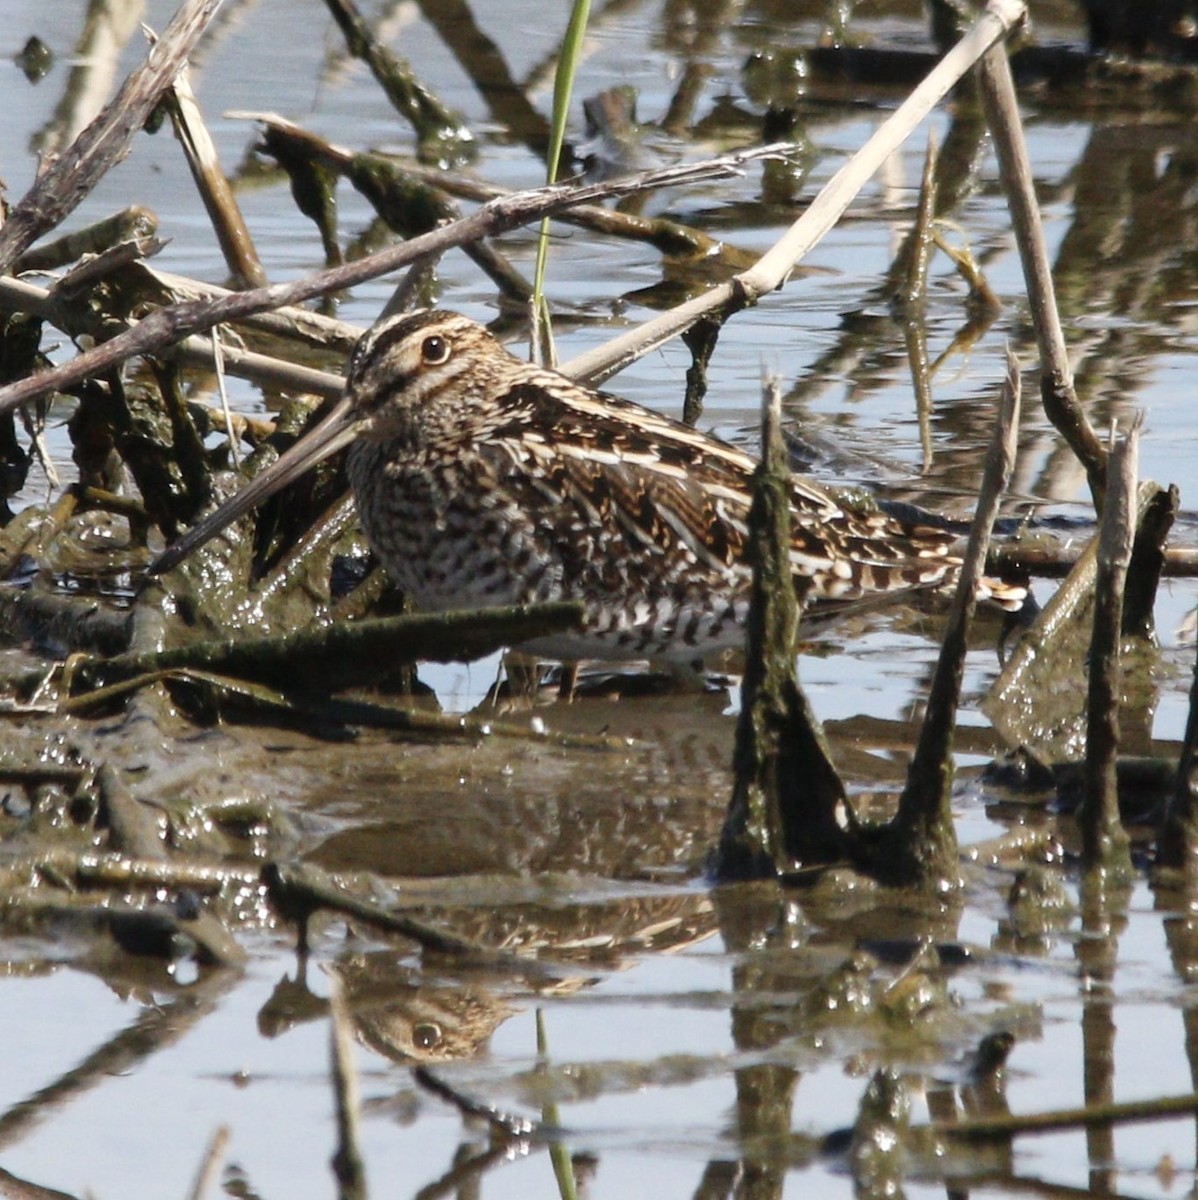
482, 480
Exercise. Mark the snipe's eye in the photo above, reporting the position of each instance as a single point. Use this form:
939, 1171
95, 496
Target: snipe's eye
434, 350
426, 1034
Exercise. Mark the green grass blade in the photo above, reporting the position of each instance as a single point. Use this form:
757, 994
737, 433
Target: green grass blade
563, 87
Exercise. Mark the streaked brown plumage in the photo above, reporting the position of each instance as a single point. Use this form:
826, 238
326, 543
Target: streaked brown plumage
482, 480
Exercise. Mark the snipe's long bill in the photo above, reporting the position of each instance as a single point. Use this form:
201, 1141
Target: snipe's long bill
336, 431
481, 480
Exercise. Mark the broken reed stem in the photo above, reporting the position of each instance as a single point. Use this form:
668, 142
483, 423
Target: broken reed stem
700, 339
87, 274
924, 819
786, 794
752, 841
72, 176
913, 283
1104, 840
347, 1163
1178, 841
1056, 376
1153, 523
1050, 658
304, 325
913, 301
232, 233
165, 326
770, 271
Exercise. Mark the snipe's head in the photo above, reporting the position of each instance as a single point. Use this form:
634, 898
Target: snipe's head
411, 376
412, 367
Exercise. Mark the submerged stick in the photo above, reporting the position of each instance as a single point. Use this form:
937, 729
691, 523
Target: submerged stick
333, 656
299, 890
1104, 840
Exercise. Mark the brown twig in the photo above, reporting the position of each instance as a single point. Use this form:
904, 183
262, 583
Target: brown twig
73, 175
168, 325
77, 317
1056, 561
1104, 840
1056, 379
130, 224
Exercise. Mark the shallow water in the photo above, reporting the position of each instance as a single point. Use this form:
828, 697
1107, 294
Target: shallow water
685, 1040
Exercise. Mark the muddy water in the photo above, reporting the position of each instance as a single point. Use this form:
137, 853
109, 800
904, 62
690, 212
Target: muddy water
692, 1043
